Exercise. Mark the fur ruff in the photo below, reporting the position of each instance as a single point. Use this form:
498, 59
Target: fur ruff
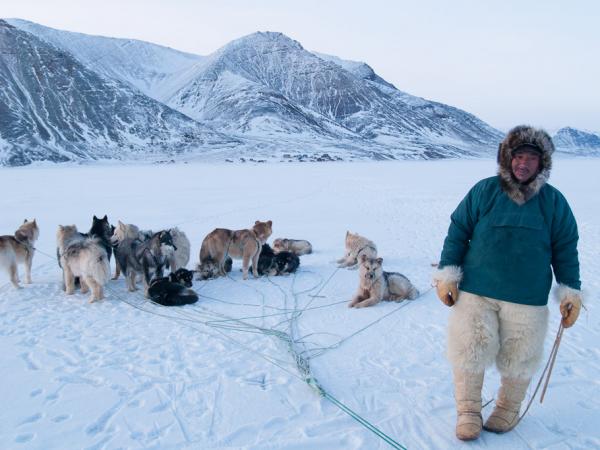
517, 192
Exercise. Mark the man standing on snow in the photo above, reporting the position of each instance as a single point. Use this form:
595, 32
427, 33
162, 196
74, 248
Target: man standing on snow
504, 238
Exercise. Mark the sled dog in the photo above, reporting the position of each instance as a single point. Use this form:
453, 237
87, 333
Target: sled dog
210, 268
18, 249
356, 246
376, 285
121, 232
298, 247
82, 257
174, 289
239, 244
180, 257
272, 264
148, 258
103, 230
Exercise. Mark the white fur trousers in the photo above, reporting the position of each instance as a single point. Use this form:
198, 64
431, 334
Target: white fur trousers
482, 329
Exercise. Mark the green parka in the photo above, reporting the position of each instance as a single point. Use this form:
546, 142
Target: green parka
507, 237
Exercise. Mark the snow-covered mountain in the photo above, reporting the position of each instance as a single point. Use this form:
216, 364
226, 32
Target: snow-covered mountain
76, 96
578, 142
52, 107
267, 82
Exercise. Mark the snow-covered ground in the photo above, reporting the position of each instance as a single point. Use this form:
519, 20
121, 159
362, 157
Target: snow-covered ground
125, 373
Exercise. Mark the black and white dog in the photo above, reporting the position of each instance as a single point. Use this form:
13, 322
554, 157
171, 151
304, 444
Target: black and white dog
174, 289
148, 257
271, 263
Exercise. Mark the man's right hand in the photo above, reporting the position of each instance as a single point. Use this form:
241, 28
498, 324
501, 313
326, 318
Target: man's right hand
447, 292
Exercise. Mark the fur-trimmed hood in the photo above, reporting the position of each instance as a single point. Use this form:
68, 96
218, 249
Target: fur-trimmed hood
517, 137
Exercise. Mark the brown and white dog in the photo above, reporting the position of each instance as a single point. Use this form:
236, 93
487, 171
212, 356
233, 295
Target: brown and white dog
356, 246
239, 244
376, 285
18, 249
296, 246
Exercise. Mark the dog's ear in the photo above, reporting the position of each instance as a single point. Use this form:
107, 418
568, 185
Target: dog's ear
379, 260
95, 218
256, 222
25, 221
120, 224
270, 223
34, 221
363, 257
105, 217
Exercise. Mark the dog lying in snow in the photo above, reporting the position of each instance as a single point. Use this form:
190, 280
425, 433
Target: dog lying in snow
296, 246
356, 246
271, 263
173, 290
376, 285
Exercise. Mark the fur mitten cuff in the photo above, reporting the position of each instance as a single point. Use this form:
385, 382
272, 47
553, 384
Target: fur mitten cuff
449, 274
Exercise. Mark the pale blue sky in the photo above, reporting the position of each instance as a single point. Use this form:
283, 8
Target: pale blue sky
508, 62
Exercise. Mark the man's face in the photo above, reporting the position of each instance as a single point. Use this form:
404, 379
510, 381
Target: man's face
525, 165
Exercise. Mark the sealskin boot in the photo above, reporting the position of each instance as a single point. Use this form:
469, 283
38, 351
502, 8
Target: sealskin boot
467, 392
505, 415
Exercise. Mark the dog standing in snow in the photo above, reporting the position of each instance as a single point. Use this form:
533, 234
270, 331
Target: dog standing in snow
18, 249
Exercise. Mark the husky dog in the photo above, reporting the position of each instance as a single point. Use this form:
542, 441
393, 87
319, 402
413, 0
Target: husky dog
271, 263
356, 246
244, 244
121, 232
19, 249
180, 257
148, 258
210, 268
174, 289
124, 231
182, 276
82, 257
376, 285
296, 246
103, 231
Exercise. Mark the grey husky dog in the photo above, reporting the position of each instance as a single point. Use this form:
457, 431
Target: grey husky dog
19, 249
148, 258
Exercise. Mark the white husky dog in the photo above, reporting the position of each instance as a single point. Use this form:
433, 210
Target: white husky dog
84, 258
180, 257
18, 249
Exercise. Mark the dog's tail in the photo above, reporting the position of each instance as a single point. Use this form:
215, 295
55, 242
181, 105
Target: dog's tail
185, 297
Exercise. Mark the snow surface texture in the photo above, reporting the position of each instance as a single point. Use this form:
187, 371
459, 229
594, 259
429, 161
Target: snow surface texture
125, 373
